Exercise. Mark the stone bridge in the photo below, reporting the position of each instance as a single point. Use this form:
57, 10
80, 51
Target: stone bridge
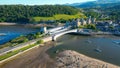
55, 36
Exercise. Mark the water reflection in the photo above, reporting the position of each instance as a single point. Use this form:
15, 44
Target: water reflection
14, 31
101, 47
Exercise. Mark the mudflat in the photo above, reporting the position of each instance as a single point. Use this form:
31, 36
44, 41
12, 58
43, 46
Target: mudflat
38, 58
35, 58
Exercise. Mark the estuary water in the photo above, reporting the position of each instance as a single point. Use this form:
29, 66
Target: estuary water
103, 47
12, 32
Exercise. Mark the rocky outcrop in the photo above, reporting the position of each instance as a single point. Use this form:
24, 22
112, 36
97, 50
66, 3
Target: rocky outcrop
72, 59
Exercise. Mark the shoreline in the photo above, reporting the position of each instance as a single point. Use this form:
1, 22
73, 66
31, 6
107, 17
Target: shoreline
48, 60
5, 23
84, 59
46, 46
39, 58
27, 25
48, 39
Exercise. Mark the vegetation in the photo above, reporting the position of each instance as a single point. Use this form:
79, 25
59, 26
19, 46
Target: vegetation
111, 27
113, 12
21, 39
104, 13
59, 17
81, 26
88, 26
21, 13
90, 12
11, 53
40, 41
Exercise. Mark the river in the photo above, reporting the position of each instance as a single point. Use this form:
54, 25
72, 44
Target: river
103, 47
14, 31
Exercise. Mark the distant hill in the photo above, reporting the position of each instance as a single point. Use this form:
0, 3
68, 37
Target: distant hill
98, 3
107, 1
104, 13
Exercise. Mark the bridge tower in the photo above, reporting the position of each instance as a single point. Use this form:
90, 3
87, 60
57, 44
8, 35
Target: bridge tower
53, 38
43, 29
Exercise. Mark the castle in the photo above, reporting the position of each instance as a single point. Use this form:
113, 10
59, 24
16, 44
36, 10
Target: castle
78, 22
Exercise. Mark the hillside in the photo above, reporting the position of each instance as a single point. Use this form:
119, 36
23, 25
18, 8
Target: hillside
94, 4
97, 5
112, 13
61, 17
108, 1
22, 13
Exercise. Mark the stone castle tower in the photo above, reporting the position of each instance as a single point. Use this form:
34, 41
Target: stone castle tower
78, 23
83, 22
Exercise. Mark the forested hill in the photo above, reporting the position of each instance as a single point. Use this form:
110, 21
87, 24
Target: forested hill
21, 13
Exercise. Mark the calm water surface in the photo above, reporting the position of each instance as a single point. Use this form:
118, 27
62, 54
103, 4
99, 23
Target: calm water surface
87, 45
14, 31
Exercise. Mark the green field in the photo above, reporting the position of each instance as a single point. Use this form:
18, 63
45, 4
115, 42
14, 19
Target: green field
11, 53
60, 16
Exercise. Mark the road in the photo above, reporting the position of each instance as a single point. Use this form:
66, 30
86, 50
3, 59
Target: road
35, 58
8, 49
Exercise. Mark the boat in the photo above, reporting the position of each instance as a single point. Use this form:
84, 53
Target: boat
116, 42
88, 41
98, 50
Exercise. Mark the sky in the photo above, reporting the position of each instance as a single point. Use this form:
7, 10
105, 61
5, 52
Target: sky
40, 2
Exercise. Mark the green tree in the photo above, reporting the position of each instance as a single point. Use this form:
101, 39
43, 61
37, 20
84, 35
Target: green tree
40, 41
90, 26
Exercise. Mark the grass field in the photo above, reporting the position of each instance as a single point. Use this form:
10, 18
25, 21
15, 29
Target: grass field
11, 53
60, 16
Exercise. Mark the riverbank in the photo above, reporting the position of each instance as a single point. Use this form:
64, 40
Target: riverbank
92, 32
34, 58
72, 59
8, 24
27, 25
38, 58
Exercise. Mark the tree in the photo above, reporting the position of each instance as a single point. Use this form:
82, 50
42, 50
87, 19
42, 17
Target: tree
40, 41
22, 13
25, 40
90, 26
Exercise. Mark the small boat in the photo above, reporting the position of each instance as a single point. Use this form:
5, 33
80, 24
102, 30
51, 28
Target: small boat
116, 42
98, 50
88, 41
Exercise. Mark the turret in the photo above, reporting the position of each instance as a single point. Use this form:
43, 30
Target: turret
43, 29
